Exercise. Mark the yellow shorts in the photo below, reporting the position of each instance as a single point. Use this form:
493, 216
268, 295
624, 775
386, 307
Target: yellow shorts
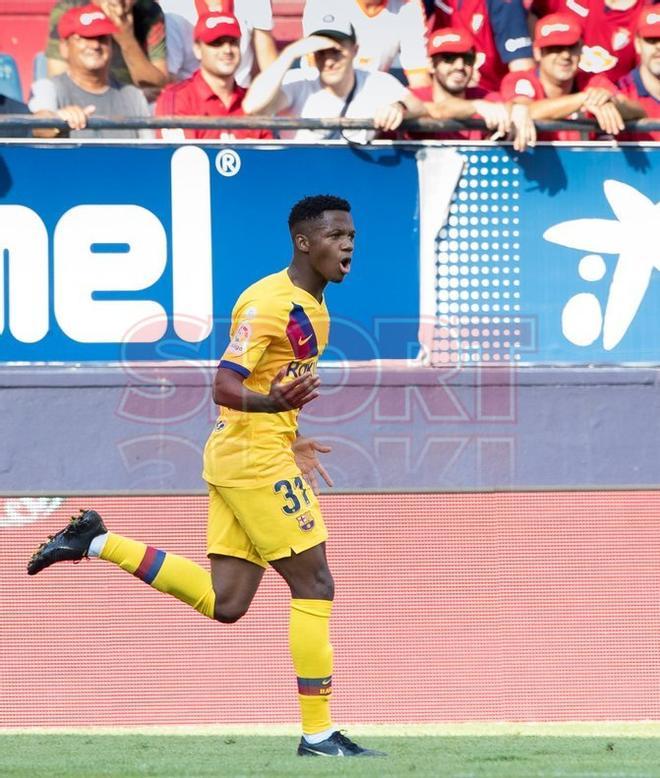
264, 523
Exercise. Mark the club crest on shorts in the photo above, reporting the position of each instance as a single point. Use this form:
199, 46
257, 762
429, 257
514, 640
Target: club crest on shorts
305, 522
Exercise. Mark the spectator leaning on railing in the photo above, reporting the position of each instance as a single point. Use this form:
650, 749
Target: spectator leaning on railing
643, 83
452, 53
72, 114
87, 87
384, 30
500, 30
551, 90
608, 28
212, 90
335, 90
139, 54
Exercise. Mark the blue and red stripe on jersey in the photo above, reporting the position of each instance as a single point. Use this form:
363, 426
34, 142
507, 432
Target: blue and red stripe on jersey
150, 565
315, 687
301, 334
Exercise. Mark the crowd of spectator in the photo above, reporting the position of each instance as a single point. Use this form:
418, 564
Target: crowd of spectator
509, 63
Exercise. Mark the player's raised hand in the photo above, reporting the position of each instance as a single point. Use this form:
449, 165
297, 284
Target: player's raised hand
305, 452
292, 394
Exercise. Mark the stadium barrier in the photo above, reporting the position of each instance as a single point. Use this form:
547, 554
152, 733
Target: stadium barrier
538, 606
276, 123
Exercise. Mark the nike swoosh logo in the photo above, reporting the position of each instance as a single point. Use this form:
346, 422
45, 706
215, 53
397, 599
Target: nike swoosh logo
325, 683
302, 341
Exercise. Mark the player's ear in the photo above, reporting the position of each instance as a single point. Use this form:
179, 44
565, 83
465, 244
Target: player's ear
301, 242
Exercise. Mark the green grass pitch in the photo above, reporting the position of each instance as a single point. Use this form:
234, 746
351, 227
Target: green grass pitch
509, 753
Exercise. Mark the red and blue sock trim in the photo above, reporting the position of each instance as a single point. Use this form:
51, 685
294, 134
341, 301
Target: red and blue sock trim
150, 565
315, 687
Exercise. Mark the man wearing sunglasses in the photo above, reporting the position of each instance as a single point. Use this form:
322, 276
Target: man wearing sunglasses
453, 53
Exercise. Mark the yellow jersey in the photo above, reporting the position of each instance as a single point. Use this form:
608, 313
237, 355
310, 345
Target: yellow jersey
274, 324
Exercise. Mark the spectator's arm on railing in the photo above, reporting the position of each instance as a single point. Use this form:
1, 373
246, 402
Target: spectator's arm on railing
73, 115
557, 107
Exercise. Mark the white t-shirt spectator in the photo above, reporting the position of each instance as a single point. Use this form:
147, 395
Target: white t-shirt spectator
179, 34
307, 98
251, 14
397, 29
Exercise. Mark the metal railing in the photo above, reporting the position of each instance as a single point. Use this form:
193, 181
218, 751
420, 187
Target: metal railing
276, 123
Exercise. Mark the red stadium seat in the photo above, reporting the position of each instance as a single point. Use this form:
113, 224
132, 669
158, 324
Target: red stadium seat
287, 17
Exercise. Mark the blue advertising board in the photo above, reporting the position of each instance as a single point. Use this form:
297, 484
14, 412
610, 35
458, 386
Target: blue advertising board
548, 256
119, 252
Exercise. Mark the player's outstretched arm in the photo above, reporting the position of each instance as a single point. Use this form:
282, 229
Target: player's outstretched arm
228, 390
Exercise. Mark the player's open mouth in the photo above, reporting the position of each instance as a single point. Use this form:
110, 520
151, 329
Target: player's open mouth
345, 265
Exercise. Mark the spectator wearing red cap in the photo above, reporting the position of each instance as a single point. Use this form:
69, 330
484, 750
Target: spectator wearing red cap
453, 53
139, 53
642, 85
607, 32
88, 87
551, 89
212, 90
501, 34
255, 17
336, 88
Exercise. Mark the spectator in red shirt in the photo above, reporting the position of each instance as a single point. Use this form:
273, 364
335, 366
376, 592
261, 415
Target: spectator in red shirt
212, 90
607, 29
643, 84
501, 34
453, 53
551, 90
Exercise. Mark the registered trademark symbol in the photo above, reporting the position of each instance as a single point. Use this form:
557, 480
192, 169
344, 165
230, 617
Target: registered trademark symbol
227, 163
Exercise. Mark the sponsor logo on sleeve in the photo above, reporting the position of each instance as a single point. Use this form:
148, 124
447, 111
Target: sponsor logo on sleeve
239, 344
513, 44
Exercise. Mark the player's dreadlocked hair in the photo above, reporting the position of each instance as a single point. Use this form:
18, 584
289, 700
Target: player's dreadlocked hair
312, 207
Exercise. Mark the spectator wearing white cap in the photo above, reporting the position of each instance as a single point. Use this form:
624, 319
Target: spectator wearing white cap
88, 87
552, 92
335, 89
642, 85
387, 32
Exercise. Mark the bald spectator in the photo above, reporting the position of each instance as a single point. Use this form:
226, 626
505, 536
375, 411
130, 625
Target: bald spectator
500, 30
453, 53
85, 35
607, 29
387, 31
551, 91
335, 89
642, 85
212, 90
139, 52
258, 49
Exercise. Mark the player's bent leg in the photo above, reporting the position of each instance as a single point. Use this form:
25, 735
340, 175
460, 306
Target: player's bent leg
86, 535
235, 582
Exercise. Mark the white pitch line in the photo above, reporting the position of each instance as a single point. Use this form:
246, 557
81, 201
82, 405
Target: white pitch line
643, 729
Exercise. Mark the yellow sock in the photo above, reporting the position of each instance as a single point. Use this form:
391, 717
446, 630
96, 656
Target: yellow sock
168, 573
309, 642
